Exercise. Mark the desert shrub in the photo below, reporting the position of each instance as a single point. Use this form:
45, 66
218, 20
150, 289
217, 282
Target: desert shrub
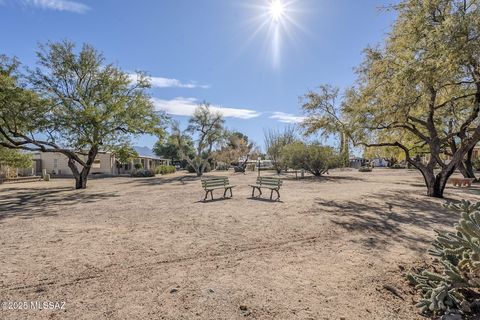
476, 164
314, 158
251, 167
223, 167
365, 169
397, 166
456, 287
165, 169
190, 169
143, 173
138, 166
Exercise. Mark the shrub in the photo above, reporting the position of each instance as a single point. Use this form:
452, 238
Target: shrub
457, 255
138, 166
165, 169
476, 164
314, 158
143, 173
190, 169
365, 169
397, 166
223, 167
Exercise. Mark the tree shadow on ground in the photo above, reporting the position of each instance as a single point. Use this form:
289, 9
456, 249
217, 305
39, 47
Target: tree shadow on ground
155, 181
327, 178
258, 198
28, 203
387, 218
209, 200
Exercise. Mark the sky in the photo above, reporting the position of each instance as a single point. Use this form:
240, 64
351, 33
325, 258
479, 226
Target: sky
249, 59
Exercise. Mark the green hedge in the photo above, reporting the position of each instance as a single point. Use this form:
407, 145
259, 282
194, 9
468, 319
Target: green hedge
165, 169
142, 173
365, 169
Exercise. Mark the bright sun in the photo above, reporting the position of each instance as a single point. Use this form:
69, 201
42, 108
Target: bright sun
277, 9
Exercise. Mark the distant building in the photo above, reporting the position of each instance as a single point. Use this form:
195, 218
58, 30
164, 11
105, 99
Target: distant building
356, 162
379, 162
105, 163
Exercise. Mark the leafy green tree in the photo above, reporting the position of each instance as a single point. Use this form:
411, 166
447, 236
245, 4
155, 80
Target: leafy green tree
324, 115
11, 158
81, 104
168, 147
275, 141
124, 154
235, 146
422, 88
208, 128
314, 158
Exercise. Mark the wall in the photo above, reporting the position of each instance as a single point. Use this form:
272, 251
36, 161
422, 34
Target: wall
49, 158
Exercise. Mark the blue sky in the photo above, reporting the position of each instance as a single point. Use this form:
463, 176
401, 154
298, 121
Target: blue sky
230, 53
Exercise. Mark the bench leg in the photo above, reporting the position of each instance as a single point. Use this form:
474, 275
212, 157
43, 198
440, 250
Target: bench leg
206, 195
278, 195
231, 193
253, 192
225, 192
271, 194
211, 194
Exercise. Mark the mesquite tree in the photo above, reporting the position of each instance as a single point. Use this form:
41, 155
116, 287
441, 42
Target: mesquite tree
314, 157
422, 88
77, 103
236, 146
323, 110
206, 125
275, 141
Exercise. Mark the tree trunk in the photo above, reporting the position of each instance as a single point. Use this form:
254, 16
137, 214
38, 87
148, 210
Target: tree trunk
469, 166
81, 181
465, 166
81, 177
200, 170
435, 183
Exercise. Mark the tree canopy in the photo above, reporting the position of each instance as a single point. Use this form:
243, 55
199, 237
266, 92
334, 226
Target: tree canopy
314, 158
420, 90
275, 141
323, 111
77, 101
207, 128
169, 148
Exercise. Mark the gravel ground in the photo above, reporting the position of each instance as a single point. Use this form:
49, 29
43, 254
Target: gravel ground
148, 248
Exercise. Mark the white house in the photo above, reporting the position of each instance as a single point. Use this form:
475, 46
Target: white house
105, 163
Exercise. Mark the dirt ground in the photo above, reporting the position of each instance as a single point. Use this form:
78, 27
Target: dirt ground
148, 248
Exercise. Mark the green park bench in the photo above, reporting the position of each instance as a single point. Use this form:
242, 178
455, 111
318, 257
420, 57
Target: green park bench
210, 184
271, 183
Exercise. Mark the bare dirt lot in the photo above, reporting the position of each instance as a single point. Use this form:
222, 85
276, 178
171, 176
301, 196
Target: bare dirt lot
148, 248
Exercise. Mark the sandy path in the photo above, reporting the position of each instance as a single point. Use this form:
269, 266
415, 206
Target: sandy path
148, 249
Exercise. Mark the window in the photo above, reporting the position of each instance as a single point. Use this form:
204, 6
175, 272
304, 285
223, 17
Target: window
96, 164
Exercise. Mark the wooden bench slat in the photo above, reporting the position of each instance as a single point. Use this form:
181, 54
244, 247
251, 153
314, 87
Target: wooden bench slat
214, 183
270, 183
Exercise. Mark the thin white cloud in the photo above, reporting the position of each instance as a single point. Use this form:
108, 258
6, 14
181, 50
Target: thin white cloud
59, 5
286, 117
160, 82
186, 106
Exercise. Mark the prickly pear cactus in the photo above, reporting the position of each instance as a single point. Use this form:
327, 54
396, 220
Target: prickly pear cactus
458, 255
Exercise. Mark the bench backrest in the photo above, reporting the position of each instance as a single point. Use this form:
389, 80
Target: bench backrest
269, 181
215, 182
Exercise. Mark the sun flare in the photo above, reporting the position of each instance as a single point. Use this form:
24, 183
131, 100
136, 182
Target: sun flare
278, 21
277, 9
